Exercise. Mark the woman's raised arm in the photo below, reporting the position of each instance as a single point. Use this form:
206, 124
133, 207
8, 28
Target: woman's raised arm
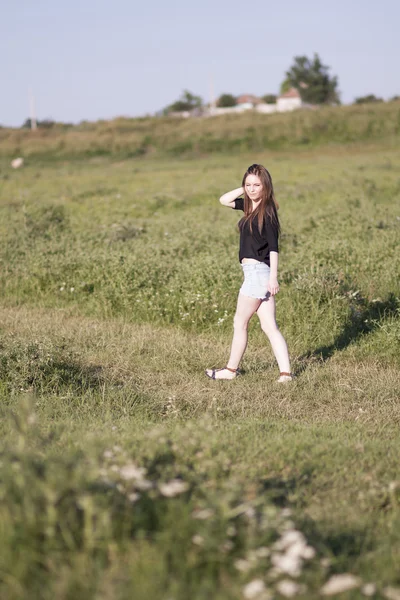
229, 198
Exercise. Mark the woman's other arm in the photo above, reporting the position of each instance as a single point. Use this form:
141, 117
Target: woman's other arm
229, 198
273, 285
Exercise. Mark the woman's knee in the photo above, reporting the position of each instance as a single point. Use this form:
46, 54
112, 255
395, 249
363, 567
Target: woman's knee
240, 324
269, 327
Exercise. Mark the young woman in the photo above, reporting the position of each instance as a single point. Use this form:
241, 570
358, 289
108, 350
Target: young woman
258, 255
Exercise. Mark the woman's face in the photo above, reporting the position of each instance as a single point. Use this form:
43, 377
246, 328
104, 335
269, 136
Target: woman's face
253, 187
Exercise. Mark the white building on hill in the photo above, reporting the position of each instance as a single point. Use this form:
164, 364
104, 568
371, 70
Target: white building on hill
266, 108
290, 100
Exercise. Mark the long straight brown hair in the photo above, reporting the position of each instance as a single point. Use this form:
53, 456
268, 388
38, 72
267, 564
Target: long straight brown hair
267, 207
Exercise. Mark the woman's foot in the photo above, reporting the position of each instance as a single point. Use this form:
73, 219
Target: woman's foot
224, 373
285, 377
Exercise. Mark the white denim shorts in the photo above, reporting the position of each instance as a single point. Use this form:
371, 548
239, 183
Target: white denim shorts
256, 278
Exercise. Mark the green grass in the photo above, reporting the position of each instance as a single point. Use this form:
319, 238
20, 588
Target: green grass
118, 285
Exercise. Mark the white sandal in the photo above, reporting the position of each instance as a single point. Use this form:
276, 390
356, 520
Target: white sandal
285, 377
213, 371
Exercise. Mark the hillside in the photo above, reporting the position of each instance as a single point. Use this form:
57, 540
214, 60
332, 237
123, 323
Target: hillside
132, 138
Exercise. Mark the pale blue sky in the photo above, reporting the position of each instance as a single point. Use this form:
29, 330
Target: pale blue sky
88, 59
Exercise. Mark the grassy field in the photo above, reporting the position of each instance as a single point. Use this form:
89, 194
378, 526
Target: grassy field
124, 471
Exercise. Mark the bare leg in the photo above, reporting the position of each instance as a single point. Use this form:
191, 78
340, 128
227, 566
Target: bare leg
266, 314
246, 307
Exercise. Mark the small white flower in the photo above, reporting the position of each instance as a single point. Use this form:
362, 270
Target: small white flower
392, 593
290, 537
173, 488
254, 589
288, 588
131, 471
16, 163
107, 454
287, 563
294, 546
308, 552
72, 289
198, 540
62, 288
143, 484
203, 514
369, 589
133, 497
340, 583
242, 565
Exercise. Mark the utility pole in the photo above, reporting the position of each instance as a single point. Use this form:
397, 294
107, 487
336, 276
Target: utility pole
212, 95
32, 110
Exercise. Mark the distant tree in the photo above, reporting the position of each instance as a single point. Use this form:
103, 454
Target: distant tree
26, 124
187, 101
226, 100
45, 124
313, 81
285, 86
269, 98
367, 99
394, 98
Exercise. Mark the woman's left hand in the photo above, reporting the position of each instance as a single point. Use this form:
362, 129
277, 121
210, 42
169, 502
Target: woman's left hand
273, 286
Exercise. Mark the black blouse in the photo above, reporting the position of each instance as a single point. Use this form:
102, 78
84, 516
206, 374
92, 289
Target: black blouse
256, 245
